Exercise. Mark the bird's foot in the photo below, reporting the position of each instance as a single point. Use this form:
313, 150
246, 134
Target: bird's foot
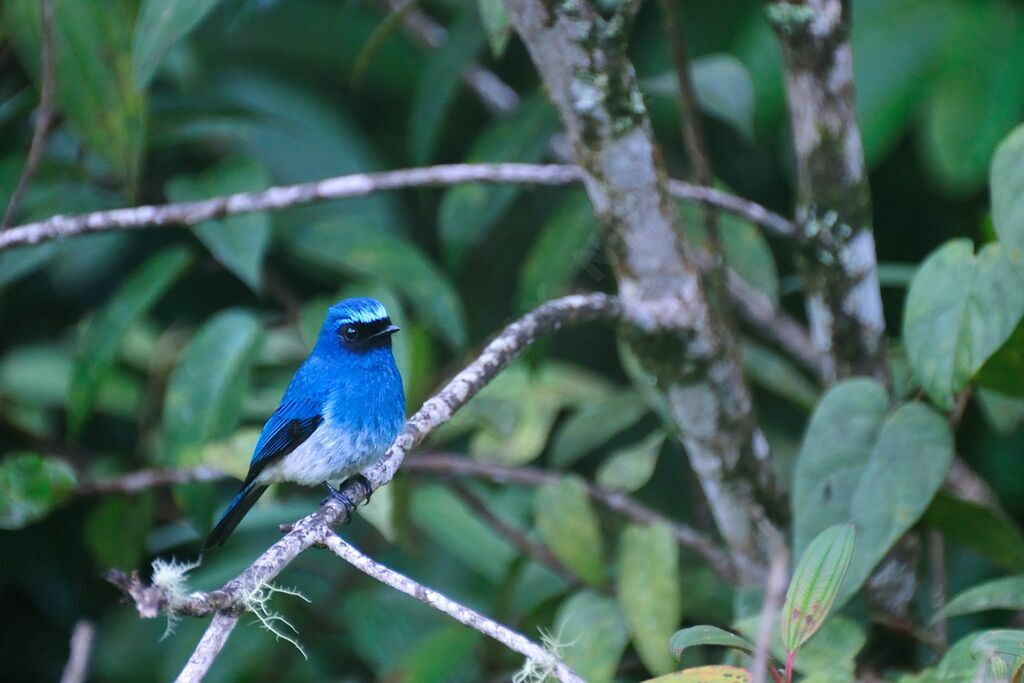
346, 502
367, 488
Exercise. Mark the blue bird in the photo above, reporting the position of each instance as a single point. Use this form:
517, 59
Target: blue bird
340, 413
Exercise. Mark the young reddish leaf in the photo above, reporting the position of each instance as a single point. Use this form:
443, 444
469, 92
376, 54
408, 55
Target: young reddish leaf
815, 584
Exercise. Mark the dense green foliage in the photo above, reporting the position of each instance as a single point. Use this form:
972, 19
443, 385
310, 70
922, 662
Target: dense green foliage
169, 347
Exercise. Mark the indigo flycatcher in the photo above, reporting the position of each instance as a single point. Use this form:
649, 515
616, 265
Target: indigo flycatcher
339, 414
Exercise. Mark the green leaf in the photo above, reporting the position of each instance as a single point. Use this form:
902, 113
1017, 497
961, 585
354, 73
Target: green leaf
1002, 651
31, 486
978, 99
959, 311
1007, 182
1004, 414
593, 631
95, 90
858, 466
648, 591
116, 529
1004, 593
700, 636
1004, 370
913, 34
628, 469
239, 242
723, 87
208, 386
594, 424
984, 529
438, 83
104, 332
815, 584
460, 531
443, 655
364, 250
160, 25
494, 17
567, 243
778, 375
567, 523
470, 210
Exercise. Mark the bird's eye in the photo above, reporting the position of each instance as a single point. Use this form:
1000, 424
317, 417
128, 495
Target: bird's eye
349, 333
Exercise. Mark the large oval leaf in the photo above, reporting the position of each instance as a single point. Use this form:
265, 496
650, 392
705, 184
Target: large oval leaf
716, 673
648, 591
30, 486
160, 25
815, 584
208, 386
567, 523
103, 334
960, 309
593, 633
883, 494
238, 242
95, 89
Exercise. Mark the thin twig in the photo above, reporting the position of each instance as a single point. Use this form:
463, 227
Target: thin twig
692, 130
463, 615
937, 578
444, 465
529, 547
775, 589
358, 185
614, 501
44, 115
136, 482
82, 638
314, 529
494, 93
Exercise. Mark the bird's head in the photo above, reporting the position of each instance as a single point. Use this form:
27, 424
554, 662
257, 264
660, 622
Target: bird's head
357, 325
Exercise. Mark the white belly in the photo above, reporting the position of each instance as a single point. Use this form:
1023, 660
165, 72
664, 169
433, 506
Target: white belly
329, 454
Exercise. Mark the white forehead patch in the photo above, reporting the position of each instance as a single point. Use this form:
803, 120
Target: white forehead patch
359, 310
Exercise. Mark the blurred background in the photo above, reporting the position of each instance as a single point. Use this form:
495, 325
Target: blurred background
168, 348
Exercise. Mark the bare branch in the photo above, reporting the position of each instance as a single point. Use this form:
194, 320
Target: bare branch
463, 615
82, 638
357, 185
209, 647
833, 198
44, 115
937, 584
315, 528
136, 482
615, 501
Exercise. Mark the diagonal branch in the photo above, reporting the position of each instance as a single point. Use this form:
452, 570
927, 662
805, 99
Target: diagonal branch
679, 337
463, 615
359, 185
314, 529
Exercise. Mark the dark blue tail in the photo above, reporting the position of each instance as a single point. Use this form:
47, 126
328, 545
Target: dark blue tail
245, 499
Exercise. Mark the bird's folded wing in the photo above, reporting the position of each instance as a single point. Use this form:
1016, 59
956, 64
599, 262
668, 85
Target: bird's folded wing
290, 425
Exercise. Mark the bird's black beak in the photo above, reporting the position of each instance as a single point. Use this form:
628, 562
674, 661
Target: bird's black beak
386, 332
